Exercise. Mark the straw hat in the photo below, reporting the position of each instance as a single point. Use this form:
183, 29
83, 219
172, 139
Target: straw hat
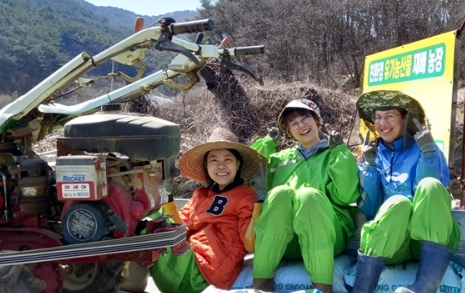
192, 163
369, 102
302, 104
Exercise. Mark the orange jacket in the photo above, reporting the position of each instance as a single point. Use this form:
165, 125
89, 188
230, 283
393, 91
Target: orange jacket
219, 224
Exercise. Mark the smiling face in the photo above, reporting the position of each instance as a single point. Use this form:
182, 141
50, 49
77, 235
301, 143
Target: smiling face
389, 124
222, 167
303, 127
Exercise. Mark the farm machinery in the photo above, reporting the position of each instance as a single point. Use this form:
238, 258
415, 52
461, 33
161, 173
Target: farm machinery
75, 225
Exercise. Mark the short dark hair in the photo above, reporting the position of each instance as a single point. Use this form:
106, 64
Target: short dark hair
294, 112
402, 111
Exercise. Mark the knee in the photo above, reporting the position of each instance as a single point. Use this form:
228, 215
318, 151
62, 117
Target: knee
429, 183
398, 200
282, 193
398, 204
432, 196
311, 197
430, 186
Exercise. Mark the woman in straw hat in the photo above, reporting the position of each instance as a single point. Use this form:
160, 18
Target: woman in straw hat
306, 212
220, 215
403, 179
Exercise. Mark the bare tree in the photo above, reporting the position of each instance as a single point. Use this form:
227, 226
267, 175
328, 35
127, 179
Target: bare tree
319, 39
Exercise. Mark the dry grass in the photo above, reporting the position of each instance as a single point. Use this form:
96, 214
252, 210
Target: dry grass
459, 132
198, 112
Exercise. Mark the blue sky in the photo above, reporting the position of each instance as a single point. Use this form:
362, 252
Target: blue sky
149, 7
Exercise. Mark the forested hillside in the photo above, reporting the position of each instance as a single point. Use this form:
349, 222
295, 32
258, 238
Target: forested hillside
321, 40
39, 36
125, 18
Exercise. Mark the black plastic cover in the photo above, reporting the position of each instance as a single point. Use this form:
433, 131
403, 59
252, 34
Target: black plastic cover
136, 136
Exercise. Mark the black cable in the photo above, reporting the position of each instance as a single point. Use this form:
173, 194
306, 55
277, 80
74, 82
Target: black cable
354, 116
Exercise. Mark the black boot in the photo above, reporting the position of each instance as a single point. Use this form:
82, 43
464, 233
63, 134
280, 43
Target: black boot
263, 284
434, 259
369, 269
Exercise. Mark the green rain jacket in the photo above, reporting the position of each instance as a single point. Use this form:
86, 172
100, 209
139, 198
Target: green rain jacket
332, 171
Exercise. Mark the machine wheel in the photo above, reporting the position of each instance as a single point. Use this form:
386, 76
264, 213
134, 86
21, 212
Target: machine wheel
92, 277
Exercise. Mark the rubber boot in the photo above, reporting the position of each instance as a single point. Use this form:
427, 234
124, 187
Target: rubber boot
369, 269
434, 259
263, 284
326, 288
135, 277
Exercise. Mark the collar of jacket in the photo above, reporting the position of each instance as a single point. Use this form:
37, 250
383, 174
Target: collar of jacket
398, 145
307, 153
237, 181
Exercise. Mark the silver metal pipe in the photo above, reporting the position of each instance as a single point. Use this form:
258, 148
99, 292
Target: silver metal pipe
5, 196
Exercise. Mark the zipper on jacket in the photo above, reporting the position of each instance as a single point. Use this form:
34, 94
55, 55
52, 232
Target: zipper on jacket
391, 167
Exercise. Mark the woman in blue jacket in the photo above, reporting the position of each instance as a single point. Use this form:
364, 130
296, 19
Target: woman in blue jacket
403, 194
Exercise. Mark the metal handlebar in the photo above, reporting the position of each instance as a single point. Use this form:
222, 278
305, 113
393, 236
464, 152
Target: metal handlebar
130, 51
196, 26
249, 50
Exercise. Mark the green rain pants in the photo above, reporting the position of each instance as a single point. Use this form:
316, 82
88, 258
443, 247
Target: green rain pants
177, 274
298, 224
399, 225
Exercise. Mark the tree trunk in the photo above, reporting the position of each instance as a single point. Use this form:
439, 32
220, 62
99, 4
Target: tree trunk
142, 105
233, 100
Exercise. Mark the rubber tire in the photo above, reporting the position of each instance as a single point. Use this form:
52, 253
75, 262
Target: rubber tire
98, 278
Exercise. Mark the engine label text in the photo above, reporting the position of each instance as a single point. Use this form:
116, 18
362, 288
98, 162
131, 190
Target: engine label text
75, 190
74, 178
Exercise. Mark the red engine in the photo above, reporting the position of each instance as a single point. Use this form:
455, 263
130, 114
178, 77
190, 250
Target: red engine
113, 170
121, 177
101, 202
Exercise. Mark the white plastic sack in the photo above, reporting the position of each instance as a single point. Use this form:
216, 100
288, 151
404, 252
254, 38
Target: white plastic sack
213, 289
402, 275
292, 276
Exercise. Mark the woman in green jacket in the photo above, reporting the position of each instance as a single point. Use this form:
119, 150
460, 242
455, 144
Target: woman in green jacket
306, 213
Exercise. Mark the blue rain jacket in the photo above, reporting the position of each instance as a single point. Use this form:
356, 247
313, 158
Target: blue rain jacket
397, 172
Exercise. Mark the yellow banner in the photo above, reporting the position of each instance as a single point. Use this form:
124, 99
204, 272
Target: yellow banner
425, 71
